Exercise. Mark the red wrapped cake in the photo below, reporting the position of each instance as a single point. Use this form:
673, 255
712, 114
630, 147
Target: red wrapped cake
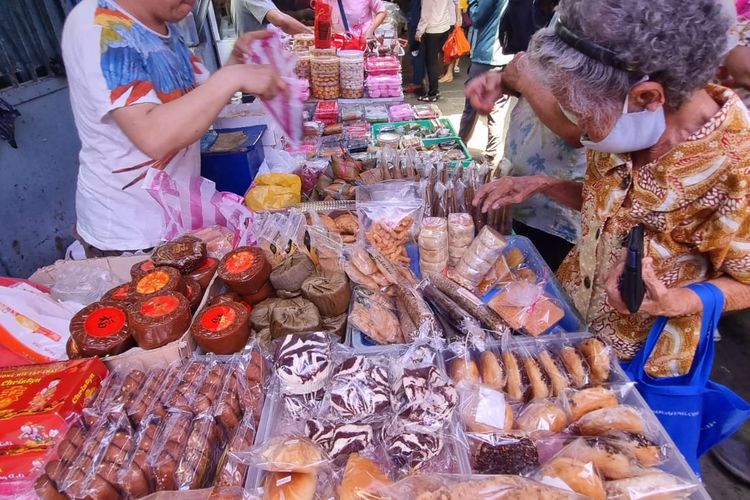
222, 329
245, 270
101, 329
158, 320
205, 272
157, 281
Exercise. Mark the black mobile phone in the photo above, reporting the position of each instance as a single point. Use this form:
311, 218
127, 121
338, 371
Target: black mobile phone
631, 280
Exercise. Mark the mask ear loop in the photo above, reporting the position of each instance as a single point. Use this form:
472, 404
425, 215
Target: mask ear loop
627, 96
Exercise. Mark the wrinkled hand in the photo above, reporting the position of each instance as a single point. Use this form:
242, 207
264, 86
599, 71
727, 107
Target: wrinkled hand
658, 299
516, 73
241, 49
260, 80
484, 90
510, 191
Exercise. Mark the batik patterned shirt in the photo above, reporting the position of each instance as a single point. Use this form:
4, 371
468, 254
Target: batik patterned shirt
693, 202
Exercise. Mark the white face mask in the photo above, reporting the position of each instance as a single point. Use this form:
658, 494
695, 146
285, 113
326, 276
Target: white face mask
632, 132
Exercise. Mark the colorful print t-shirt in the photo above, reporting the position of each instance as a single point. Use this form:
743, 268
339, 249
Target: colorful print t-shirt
112, 61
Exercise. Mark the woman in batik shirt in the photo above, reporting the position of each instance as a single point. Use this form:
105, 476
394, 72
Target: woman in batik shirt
665, 149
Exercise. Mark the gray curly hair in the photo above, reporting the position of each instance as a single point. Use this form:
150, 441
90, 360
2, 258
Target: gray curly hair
678, 43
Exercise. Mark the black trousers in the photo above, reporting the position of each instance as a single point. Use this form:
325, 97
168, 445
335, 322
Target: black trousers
494, 119
432, 45
552, 248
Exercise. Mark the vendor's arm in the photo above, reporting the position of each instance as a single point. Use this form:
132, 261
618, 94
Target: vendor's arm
378, 11
286, 23
159, 130
517, 77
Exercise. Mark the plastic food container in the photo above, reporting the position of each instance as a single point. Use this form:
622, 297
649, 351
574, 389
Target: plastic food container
327, 112
384, 86
388, 65
352, 73
325, 77
376, 113
302, 67
401, 112
304, 41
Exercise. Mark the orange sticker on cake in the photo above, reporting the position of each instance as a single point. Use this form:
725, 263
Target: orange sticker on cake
240, 262
218, 318
152, 282
156, 307
104, 322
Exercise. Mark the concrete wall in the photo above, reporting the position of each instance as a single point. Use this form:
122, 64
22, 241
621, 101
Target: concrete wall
38, 180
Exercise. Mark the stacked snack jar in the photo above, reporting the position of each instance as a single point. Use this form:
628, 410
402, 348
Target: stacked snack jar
352, 73
304, 41
433, 246
302, 67
325, 77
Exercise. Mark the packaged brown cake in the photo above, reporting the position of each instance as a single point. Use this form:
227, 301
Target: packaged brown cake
294, 316
204, 272
158, 320
101, 329
264, 293
185, 254
329, 292
157, 281
222, 329
245, 270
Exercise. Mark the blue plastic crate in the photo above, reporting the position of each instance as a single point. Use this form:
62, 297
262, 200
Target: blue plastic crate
233, 171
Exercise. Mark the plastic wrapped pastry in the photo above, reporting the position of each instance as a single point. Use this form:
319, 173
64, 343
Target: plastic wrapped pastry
479, 258
294, 316
288, 277
185, 254
460, 236
222, 329
335, 325
245, 270
101, 329
329, 292
433, 245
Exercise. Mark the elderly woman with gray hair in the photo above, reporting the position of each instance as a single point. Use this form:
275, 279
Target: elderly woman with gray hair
667, 150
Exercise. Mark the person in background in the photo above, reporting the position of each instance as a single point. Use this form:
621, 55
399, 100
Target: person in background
416, 86
361, 17
254, 15
487, 55
435, 22
667, 150
141, 100
454, 66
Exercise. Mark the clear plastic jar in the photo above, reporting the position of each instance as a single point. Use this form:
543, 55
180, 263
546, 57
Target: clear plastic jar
302, 68
325, 77
303, 41
352, 73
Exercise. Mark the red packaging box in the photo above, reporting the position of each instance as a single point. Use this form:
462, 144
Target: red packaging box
38, 401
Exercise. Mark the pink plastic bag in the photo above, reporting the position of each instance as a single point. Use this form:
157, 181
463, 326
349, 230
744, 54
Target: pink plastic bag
286, 112
197, 204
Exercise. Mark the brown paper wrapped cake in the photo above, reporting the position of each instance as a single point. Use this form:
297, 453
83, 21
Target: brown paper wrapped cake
260, 318
287, 278
185, 254
222, 329
101, 329
204, 272
158, 280
294, 316
245, 270
335, 325
158, 320
329, 292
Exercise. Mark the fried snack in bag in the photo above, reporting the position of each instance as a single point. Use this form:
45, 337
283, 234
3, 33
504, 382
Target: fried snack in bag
273, 191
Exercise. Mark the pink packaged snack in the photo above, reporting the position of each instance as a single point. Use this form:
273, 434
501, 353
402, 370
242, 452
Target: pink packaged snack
401, 112
286, 111
388, 65
384, 86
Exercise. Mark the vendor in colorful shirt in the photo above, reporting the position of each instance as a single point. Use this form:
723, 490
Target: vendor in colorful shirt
362, 16
667, 150
137, 104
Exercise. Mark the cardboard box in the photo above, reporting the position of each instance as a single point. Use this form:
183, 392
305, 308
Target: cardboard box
37, 402
135, 358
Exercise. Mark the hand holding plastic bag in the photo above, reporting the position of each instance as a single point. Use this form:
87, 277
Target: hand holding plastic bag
456, 46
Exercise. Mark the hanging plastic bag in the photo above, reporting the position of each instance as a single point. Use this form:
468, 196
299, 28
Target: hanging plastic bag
273, 191
456, 46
